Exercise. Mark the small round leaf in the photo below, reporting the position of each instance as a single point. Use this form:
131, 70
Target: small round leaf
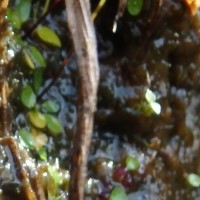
33, 58
28, 97
132, 163
37, 79
135, 7
193, 180
50, 106
36, 56
23, 9
53, 172
27, 138
48, 35
156, 107
14, 18
37, 119
53, 124
40, 138
118, 194
150, 96
42, 153
28, 60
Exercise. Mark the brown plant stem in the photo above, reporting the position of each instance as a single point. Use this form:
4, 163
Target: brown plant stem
3, 6
4, 124
83, 35
3, 29
20, 172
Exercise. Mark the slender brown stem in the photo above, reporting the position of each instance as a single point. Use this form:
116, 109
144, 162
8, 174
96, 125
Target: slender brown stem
20, 171
83, 34
4, 4
4, 62
3, 28
5, 112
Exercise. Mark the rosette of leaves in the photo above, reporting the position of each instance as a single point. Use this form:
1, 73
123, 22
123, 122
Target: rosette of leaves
43, 117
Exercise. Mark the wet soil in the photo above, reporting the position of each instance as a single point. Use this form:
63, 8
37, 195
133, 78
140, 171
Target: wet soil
159, 52
162, 55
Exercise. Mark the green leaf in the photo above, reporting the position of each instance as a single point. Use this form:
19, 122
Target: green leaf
20, 13
54, 174
156, 107
37, 79
28, 97
135, 7
28, 60
37, 119
27, 138
118, 194
48, 35
132, 163
50, 106
37, 57
23, 9
14, 18
151, 99
33, 57
150, 96
53, 182
53, 124
46, 6
42, 153
193, 180
19, 41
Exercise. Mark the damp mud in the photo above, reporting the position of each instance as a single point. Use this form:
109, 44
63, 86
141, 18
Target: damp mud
162, 55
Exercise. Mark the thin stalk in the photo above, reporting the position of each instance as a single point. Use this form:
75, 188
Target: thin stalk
83, 35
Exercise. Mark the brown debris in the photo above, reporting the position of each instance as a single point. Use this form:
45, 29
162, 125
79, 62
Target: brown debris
3, 28
192, 6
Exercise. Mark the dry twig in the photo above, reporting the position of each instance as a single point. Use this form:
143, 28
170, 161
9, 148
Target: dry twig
82, 29
3, 24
